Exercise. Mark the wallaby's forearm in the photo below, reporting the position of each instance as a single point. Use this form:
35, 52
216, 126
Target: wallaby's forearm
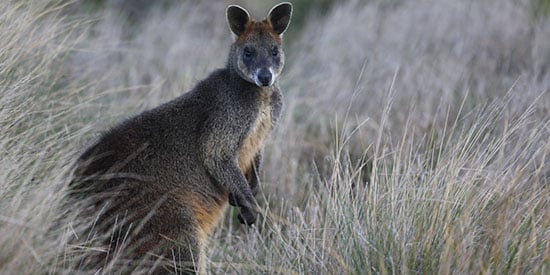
253, 178
228, 174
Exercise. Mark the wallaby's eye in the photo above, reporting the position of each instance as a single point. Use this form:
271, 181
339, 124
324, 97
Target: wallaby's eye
248, 52
275, 51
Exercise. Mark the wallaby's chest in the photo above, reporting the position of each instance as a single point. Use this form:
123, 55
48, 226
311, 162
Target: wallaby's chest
258, 133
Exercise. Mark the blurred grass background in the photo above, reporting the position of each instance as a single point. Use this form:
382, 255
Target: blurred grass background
415, 136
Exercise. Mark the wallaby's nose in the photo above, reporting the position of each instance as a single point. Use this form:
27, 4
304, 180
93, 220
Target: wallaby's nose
263, 77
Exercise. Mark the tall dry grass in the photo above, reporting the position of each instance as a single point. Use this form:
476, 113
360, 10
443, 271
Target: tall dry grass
38, 105
415, 137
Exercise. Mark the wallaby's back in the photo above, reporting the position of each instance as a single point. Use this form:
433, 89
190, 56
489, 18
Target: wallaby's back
160, 181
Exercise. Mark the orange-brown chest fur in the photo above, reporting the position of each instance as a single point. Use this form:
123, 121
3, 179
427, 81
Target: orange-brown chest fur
207, 211
259, 132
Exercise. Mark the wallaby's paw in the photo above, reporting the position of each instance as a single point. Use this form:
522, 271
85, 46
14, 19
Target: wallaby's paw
247, 216
255, 188
243, 199
233, 200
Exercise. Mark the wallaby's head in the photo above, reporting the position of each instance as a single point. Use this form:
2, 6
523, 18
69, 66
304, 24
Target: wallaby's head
257, 54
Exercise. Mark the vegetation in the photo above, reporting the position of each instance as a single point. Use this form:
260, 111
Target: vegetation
415, 137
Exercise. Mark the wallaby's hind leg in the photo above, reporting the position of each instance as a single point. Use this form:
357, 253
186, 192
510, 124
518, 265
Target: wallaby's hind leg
172, 244
157, 237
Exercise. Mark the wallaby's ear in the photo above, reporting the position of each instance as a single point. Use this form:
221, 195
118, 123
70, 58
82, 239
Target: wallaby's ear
279, 17
237, 18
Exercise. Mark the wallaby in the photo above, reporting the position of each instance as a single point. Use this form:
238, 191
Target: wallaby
162, 179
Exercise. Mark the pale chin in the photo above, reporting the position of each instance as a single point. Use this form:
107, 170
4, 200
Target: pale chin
259, 84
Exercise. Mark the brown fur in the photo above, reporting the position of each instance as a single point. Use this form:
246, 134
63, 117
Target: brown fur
208, 215
258, 27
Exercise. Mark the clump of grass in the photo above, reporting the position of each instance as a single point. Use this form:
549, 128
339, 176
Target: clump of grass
470, 197
37, 108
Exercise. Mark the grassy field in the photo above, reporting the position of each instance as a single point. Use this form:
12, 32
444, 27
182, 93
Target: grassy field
415, 136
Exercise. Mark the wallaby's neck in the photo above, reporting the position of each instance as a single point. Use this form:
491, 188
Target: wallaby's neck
235, 78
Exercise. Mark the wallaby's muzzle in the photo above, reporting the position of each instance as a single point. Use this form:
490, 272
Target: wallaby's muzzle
264, 77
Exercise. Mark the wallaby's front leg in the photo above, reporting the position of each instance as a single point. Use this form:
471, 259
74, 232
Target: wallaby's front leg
227, 173
218, 150
252, 176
